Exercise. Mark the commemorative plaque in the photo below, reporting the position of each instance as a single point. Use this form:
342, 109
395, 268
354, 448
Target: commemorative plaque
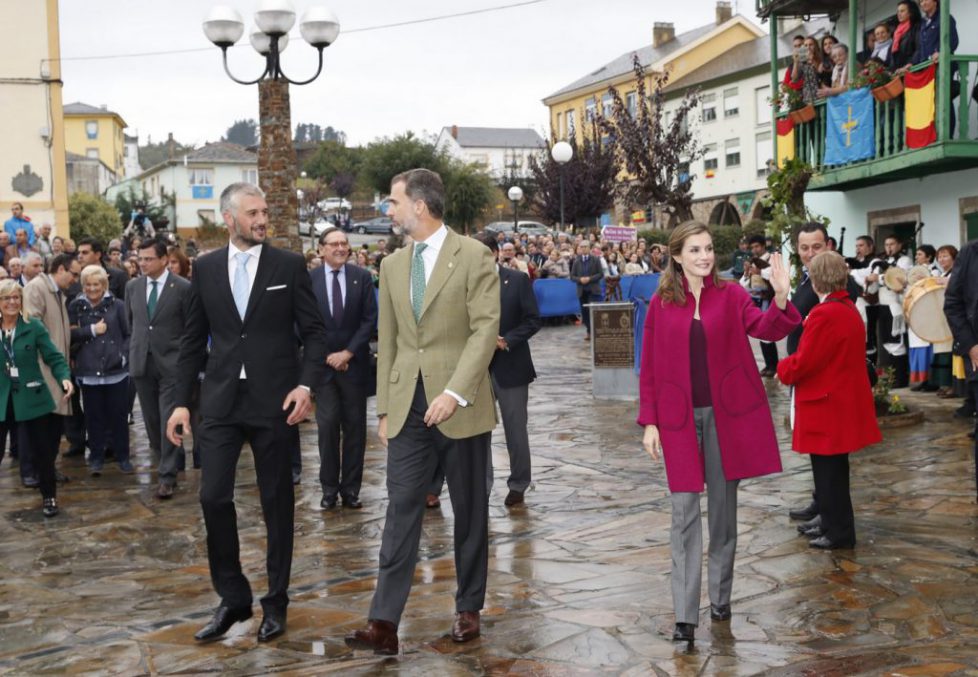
613, 351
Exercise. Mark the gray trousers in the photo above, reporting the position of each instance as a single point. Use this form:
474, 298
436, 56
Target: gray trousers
512, 408
686, 535
156, 400
412, 458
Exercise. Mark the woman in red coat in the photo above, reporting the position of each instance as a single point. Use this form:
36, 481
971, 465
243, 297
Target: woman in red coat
705, 410
834, 410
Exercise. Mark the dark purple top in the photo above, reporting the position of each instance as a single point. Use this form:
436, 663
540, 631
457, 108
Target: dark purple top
699, 375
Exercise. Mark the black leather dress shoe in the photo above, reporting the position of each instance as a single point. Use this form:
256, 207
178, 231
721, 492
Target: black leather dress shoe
30, 482
720, 612
813, 532
810, 524
804, 513
222, 621
823, 543
352, 502
272, 625
684, 632
60, 477
328, 502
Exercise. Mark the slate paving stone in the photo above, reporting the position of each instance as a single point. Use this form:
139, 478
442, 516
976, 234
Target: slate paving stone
579, 575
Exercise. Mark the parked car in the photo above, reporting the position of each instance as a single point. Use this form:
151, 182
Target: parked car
528, 227
382, 225
318, 227
334, 203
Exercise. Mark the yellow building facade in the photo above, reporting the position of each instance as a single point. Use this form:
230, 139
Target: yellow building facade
96, 132
572, 106
32, 147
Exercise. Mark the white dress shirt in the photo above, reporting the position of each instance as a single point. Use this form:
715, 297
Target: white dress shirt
435, 242
251, 267
160, 281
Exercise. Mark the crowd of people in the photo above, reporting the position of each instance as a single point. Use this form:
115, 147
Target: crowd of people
819, 68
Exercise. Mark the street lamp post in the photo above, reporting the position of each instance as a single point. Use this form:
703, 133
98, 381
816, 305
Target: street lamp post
515, 194
276, 154
561, 152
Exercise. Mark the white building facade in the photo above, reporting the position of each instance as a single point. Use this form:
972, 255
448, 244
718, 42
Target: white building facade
500, 151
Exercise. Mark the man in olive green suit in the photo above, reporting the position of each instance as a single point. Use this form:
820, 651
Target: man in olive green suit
439, 319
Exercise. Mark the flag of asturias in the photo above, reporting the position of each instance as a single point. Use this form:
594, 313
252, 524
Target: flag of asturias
918, 92
850, 127
786, 141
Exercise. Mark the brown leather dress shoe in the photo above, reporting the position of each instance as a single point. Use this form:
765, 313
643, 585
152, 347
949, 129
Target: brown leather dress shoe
466, 626
432, 501
513, 498
380, 636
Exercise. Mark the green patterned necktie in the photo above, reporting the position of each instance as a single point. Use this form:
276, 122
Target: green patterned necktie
417, 279
151, 302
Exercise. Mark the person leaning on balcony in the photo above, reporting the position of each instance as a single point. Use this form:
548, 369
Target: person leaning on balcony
797, 44
929, 46
882, 45
906, 35
826, 64
840, 72
804, 69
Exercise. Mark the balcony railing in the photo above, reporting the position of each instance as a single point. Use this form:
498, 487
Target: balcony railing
800, 7
892, 160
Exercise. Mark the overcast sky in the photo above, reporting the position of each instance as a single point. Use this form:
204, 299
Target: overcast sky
490, 69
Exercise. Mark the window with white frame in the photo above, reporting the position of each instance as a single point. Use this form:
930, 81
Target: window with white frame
710, 157
201, 177
709, 103
731, 103
571, 123
631, 103
250, 176
590, 108
606, 105
764, 152
91, 129
761, 106
560, 126
731, 147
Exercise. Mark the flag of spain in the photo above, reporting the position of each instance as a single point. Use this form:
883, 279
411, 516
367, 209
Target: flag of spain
918, 91
786, 141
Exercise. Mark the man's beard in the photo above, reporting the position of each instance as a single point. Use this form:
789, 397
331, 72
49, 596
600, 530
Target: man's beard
246, 239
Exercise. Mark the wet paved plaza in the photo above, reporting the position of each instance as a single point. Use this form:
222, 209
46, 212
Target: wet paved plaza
578, 582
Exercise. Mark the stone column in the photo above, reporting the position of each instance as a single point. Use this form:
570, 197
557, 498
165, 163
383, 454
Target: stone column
277, 164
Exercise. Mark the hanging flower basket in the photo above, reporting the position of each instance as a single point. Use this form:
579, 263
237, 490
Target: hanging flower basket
803, 115
890, 90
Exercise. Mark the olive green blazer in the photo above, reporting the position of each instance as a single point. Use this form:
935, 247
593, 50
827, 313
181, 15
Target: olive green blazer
450, 346
31, 396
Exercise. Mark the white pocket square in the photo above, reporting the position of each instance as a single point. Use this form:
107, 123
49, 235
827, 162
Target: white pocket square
278, 286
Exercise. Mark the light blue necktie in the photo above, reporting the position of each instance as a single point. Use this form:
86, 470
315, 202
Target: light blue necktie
417, 280
240, 288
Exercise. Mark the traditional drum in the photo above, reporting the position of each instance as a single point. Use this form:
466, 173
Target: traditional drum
923, 306
895, 279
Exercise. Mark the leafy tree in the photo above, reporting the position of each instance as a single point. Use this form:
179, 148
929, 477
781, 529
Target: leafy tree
92, 216
243, 133
469, 192
153, 154
331, 159
314, 133
589, 178
126, 202
655, 154
343, 184
513, 176
385, 158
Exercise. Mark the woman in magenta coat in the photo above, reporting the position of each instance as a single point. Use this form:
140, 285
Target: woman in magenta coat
705, 410
834, 410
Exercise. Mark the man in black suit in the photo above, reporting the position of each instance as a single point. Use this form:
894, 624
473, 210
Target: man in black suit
512, 370
156, 306
252, 300
961, 309
586, 271
812, 240
345, 296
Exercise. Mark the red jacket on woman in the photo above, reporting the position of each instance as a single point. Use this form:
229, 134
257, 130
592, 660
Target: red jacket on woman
834, 410
745, 430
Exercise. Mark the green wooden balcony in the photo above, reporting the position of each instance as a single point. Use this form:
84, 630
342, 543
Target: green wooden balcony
766, 8
893, 160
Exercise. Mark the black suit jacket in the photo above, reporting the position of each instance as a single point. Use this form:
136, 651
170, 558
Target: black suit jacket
118, 279
961, 302
265, 342
519, 319
359, 318
804, 299
590, 269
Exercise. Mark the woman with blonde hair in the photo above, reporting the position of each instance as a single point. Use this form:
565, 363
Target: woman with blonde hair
24, 395
704, 409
